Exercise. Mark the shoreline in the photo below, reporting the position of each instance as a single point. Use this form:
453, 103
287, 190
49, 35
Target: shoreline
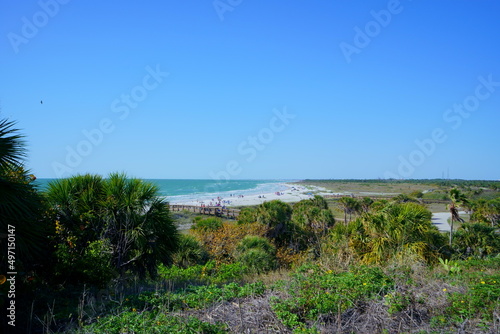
286, 192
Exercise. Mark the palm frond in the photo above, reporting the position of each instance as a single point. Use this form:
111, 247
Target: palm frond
12, 147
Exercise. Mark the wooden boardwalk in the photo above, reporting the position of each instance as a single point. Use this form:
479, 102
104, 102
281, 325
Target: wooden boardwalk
217, 211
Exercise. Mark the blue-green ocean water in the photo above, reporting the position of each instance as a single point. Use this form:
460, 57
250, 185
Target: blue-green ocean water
186, 190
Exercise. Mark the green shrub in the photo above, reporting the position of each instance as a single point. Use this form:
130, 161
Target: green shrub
207, 224
221, 243
257, 260
247, 215
210, 272
396, 302
256, 253
476, 240
227, 272
482, 299
183, 275
252, 241
193, 297
396, 231
478, 264
416, 194
190, 252
151, 322
451, 267
275, 215
125, 213
486, 211
310, 221
314, 292
93, 267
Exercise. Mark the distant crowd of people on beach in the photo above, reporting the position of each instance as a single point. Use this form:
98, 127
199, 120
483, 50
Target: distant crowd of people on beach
220, 202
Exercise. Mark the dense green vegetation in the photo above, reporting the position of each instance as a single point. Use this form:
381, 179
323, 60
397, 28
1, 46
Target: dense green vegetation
20, 203
118, 223
450, 183
428, 190
103, 255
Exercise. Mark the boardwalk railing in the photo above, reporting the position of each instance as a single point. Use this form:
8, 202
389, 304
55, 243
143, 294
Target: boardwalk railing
217, 211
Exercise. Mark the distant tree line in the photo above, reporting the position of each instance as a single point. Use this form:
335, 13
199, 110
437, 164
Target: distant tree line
490, 184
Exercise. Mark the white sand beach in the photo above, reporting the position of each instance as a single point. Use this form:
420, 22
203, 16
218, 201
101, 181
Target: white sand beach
292, 193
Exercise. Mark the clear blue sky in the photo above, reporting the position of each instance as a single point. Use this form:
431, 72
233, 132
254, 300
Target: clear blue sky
356, 85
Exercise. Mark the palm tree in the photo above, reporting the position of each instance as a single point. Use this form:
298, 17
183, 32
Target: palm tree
126, 213
12, 150
487, 211
76, 207
139, 225
310, 221
276, 216
403, 198
366, 203
189, 252
457, 200
493, 211
476, 239
20, 204
399, 229
319, 202
257, 253
350, 205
